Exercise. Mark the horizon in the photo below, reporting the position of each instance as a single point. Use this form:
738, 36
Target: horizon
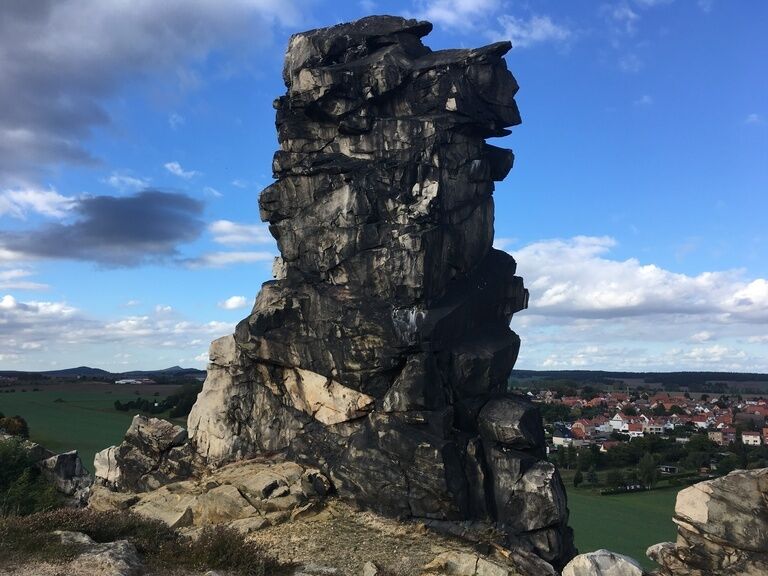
633, 209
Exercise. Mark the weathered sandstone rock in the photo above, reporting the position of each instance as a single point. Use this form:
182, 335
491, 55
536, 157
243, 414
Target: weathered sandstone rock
722, 528
603, 563
154, 452
381, 351
246, 495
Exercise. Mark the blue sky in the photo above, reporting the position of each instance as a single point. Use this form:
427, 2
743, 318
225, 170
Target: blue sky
135, 138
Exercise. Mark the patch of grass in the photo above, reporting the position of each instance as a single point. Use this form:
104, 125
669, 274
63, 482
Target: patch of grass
84, 420
624, 523
26, 538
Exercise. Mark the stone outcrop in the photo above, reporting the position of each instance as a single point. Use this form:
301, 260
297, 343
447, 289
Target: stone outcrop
380, 353
64, 471
246, 495
153, 453
722, 528
603, 563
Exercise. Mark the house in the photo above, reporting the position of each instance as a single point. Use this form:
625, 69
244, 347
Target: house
654, 426
751, 438
635, 430
765, 435
619, 421
608, 444
582, 428
701, 421
128, 381
668, 469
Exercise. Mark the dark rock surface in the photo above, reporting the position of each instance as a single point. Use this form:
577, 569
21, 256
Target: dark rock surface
381, 351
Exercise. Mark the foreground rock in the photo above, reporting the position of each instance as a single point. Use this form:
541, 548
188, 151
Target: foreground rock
603, 563
64, 471
247, 495
153, 453
722, 528
381, 352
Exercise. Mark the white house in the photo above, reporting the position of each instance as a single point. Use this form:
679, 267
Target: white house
751, 438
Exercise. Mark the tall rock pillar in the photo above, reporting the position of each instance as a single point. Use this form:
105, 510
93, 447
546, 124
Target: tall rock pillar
382, 349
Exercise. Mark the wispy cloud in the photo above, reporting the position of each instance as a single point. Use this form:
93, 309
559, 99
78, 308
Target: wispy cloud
753, 118
456, 14
126, 182
524, 33
19, 202
234, 303
223, 259
176, 169
175, 120
644, 100
18, 279
234, 233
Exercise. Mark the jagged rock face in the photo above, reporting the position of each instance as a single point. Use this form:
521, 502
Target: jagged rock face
722, 528
382, 350
603, 563
153, 453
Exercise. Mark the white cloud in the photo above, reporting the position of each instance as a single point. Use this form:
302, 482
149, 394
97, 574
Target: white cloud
753, 119
19, 202
644, 100
535, 30
233, 303
16, 279
176, 169
233, 233
126, 182
222, 259
212, 192
163, 309
622, 18
635, 316
631, 63
176, 120
240, 183
458, 14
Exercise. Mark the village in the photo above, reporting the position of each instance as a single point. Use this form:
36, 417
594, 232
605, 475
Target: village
685, 433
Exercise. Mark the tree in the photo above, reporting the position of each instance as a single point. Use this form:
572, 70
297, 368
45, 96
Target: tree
629, 411
615, 479
15, 426
571, 456
578, 478
592, 477
646, 470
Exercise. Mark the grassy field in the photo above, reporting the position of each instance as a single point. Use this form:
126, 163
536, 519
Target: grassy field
84, 420
624, 523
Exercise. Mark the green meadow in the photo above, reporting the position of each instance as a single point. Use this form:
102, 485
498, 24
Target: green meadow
624, 523
81, 418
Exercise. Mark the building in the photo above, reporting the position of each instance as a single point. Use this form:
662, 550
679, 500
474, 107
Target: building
751, 438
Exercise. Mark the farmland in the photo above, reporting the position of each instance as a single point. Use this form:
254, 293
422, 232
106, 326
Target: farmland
77, 415
624, 523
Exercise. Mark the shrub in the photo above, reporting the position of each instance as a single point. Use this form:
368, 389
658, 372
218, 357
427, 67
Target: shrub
24, 538
23, 489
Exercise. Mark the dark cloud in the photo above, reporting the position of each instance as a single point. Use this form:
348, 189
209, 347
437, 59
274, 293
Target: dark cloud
60, 60
115, 231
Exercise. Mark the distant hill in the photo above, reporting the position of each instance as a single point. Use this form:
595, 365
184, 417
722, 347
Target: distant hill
88, 372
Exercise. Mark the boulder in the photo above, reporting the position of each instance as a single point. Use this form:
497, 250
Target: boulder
722, 528
153, 453
68, 475
602, 563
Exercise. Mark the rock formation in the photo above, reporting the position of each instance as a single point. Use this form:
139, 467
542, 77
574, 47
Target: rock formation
380, 353
722, 528
64, 471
